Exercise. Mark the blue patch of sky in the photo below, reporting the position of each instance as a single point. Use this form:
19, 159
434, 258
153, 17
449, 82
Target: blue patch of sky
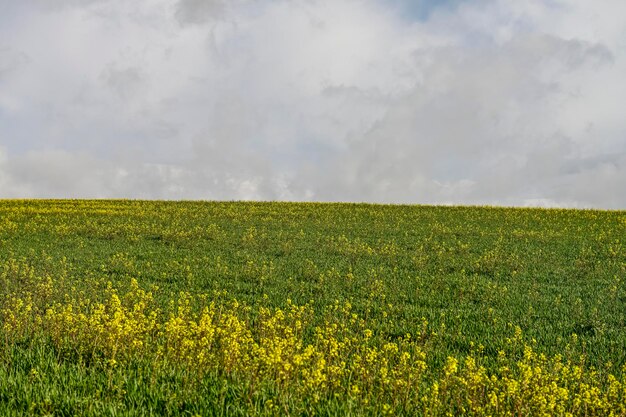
307, 150
453, 168
17, 133
421, 10
11, 13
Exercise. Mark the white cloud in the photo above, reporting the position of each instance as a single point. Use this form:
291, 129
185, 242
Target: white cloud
492, 102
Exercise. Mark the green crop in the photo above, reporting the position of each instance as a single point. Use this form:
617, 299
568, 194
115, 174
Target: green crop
207, 308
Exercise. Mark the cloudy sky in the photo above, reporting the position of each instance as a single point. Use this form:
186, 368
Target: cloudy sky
396, 101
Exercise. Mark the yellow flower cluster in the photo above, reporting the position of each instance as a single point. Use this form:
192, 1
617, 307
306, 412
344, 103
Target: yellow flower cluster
533, 385
306, 361
114, 328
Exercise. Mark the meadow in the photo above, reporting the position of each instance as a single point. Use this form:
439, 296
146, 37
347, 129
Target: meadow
132, 308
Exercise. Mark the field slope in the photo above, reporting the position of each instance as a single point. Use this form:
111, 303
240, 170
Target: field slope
206, 308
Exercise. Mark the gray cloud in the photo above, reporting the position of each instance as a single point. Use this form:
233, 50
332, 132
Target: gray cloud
124, 82
10, 61
482, 103
199, 11
477, 128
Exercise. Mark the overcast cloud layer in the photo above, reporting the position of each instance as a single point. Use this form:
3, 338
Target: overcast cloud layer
397, 101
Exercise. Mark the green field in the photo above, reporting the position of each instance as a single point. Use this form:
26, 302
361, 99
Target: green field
205, 308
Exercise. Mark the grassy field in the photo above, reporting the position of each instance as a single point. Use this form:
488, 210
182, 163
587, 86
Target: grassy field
191, 308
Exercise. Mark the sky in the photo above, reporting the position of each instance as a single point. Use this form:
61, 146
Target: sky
496, 102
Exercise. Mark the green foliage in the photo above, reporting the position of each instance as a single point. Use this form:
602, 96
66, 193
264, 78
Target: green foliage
485, 280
